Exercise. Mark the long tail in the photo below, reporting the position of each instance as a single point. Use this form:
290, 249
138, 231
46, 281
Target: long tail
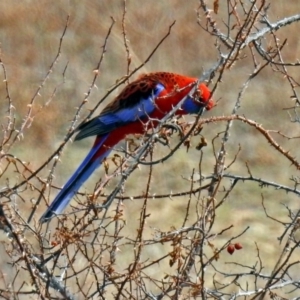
86, 168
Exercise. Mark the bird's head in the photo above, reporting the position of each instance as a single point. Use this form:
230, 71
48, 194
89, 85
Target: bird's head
203, 96
198, 100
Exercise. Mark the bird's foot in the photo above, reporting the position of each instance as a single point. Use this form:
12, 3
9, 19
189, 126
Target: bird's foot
170, 128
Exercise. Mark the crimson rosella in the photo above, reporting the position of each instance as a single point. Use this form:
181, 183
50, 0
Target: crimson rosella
138, 108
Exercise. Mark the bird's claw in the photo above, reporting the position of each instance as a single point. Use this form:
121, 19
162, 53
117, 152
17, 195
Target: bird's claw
172, 126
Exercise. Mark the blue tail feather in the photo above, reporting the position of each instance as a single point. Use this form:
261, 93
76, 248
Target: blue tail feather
83, 172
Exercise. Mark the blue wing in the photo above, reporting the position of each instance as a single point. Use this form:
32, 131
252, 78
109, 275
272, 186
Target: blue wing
135, 102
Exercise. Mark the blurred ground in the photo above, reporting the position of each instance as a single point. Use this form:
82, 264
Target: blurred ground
29, 37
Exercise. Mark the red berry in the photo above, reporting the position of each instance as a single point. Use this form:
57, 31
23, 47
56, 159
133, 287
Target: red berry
54, 243
230, 249
238, 246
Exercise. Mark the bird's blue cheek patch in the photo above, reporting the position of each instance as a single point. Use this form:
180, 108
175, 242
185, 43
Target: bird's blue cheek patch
191, 107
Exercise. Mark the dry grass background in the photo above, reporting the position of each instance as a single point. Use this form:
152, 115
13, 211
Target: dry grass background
29, 36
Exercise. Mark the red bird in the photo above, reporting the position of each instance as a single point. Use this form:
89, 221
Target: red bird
138, 108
